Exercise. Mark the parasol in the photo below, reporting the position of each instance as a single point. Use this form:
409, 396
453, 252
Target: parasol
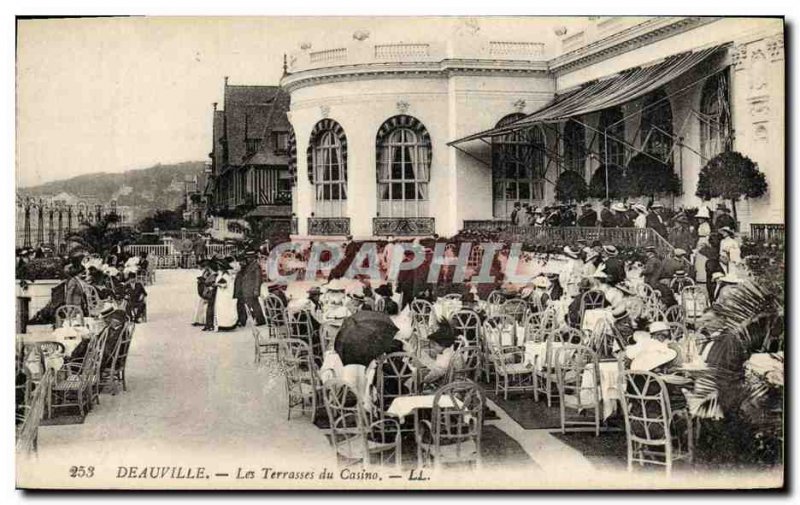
364, 336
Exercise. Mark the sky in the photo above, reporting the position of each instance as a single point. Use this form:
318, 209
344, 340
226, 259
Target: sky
114, 94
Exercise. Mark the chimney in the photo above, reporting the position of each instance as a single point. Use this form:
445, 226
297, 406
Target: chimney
215, 106
226, 80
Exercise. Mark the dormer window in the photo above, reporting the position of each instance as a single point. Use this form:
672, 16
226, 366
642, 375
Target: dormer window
281, 142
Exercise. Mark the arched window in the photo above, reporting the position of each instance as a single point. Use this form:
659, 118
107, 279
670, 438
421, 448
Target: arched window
327, 163
403, 149
714, 116
611, 123
656, 129
518, 167
574, 147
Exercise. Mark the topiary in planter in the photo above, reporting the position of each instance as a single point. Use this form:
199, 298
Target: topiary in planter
731, 175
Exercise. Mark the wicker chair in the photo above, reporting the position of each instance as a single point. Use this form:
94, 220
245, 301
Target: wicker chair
495, 300
72, 315
82, 376
264, 346
303, 385
28, 431
276, 317
676, 284
694, 302
651, 433
353, 436
113, 376
467, 323
515, 308
590, 300
453, 435
452, 296
93, 301
396, 374
421, 312
545, 372
493, 330
511, 373
301, 327
533, 327
572, 362
465, 364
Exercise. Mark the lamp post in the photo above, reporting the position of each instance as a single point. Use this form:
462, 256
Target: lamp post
40, 222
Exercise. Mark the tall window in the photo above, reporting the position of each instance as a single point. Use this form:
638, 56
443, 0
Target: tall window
574, 147
714, 116
328, 168
611, 123
518, 167
281, 142
404, 160
656, 129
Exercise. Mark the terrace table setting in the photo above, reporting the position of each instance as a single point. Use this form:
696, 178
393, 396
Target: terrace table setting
402, 406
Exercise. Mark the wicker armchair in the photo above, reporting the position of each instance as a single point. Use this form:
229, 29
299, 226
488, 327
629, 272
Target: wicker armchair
113, 376
453, 435
572, 363
72, 315
355, 438
652, 434
303, 386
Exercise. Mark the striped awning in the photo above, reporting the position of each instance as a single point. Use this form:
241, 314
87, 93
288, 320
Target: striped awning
608, 92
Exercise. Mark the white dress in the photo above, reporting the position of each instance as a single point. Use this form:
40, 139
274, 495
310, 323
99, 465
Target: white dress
225, 314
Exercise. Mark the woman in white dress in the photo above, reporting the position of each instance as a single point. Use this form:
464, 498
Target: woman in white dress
225, 314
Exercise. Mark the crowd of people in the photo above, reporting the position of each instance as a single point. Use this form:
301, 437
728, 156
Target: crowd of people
116, 278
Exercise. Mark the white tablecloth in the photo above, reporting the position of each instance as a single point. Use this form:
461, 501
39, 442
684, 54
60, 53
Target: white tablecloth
69, 337
402, 406
506, 338
609, 375
592, 316
534, 353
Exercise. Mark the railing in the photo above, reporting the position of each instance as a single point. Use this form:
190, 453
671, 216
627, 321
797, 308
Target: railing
151, 250
328, 55
165, 256
400, 51
628, 237
525, 49
768, 232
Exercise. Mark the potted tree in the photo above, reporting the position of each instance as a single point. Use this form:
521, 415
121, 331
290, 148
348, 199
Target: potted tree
731, 175
647, 177
571, 187
616, 183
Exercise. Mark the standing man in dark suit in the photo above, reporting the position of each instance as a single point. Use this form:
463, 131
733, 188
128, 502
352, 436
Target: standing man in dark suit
655, 220
723, 218
588, 216
249, 286
607, 217
515, 213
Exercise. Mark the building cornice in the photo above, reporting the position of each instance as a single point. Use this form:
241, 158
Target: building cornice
636, 36
439, 69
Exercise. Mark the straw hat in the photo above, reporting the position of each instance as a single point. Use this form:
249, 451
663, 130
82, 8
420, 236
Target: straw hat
657, 205
336, 285
652, 355
592, 254
618, 207
107, 310
641, 209
679, 252
610, 250
657, 326
703, 213
541, 282
727, 231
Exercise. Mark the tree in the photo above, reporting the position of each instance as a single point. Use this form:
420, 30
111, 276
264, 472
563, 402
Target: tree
731, 175
647, 177
101, 236
571, 187
163, 220
617, 189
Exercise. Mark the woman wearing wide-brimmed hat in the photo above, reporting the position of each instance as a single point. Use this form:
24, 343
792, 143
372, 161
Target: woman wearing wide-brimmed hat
225, 314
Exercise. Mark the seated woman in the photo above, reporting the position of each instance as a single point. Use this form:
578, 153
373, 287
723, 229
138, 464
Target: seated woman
436, 358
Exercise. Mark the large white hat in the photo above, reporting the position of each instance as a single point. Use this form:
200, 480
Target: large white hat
617, 206
657, 326
649, 353
638, 207
703, 212
541, 282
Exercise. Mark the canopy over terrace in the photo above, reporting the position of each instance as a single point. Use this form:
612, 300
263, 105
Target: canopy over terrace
611, 91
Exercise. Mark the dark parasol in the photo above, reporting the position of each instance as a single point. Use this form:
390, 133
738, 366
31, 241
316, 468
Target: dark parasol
364, 336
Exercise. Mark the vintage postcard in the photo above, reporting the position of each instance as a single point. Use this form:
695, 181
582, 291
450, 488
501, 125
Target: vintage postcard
400, 253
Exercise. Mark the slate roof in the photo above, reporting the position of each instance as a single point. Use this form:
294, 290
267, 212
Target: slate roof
253, 112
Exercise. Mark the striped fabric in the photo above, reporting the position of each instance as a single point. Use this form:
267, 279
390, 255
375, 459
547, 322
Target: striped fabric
320, 128
402, 121
292, 156
609, 92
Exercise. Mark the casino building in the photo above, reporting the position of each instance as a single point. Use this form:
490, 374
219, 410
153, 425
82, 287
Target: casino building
413, 135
